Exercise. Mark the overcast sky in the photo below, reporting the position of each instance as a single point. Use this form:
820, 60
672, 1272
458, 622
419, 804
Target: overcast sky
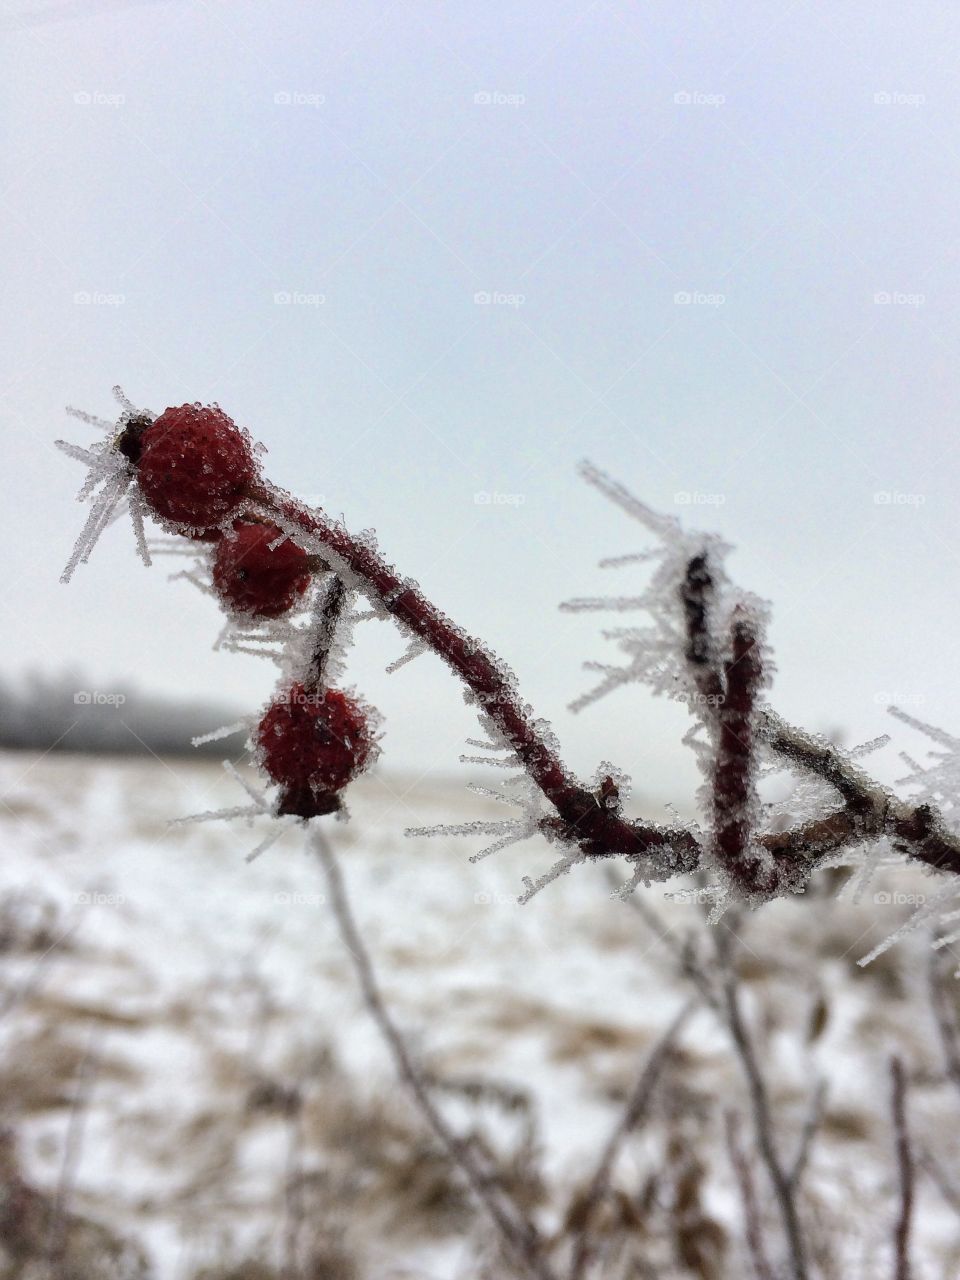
294, 209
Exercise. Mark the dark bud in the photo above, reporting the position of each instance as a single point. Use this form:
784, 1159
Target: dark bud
129, 441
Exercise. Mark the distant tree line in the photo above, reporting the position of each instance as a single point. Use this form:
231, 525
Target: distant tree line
70, 712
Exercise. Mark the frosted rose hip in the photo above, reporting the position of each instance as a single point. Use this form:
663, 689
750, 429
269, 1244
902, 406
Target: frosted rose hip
259, 571
312, 744
194, 464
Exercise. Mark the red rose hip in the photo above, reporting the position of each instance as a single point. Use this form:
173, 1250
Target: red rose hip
259, 571
194, 464
311, 744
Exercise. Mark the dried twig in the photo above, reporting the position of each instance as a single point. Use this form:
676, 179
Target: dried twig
72, 1147
905, 1169
748, 1195
519, 1236
726, 1005
811, 1127
940, 1178
30, 985
945, 1016
680, 949
635, 1110
869, 811
783, 1188
293, 1200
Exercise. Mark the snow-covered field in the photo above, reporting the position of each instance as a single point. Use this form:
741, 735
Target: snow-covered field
186, 1060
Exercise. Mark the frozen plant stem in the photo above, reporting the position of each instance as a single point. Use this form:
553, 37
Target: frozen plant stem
734, 767
519, 1237
868, 811
198, 473
329, 614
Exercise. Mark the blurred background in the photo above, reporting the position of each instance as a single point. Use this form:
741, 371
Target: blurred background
432, 255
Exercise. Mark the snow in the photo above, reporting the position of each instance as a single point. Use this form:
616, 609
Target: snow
196, 970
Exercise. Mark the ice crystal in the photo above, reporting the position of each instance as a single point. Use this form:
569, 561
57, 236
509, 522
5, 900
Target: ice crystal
518, 791
262, 804
654, 650
108, 486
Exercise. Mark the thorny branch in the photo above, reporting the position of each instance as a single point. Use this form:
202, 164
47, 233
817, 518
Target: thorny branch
589, 820
599, 828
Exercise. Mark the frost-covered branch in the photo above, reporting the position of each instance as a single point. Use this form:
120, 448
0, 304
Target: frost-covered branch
869, 809
199, 476
735, 767
582, 818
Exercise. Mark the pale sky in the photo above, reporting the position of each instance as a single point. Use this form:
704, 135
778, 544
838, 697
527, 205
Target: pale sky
169, 169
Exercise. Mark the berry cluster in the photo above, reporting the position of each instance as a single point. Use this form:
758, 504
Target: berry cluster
196, 471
